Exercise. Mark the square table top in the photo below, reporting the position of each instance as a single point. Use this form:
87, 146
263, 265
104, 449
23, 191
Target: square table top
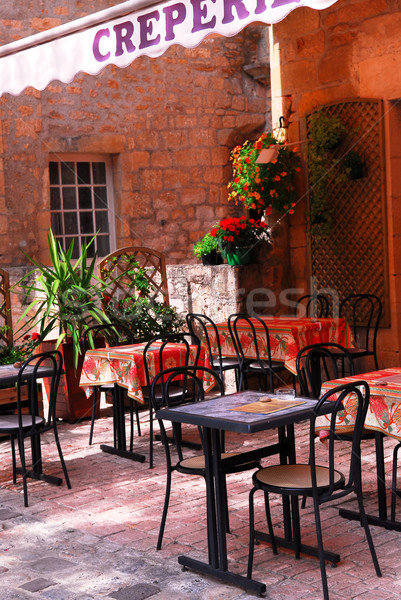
220, 413
384, 412
9, 373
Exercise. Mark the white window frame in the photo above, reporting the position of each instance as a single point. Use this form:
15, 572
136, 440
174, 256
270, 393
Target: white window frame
90, 158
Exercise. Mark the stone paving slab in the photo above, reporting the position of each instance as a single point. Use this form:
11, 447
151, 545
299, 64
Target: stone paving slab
97, 540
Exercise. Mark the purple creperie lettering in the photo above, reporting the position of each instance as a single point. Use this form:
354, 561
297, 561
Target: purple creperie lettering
200, 12
146, 29
124, 32
260, 7
167, 20
175, 14
95, 46
228, 10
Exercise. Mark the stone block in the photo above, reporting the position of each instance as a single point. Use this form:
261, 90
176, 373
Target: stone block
202, 137
51, 564
36, 585
359, 11
140, 591
311, 44
140, 159
161, 159
372, 77
6, 514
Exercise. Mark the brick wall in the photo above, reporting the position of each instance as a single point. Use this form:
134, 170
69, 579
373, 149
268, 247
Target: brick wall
168, 123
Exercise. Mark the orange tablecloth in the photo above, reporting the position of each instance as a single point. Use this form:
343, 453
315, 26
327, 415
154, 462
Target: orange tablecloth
384, 412
124, 365
287, 337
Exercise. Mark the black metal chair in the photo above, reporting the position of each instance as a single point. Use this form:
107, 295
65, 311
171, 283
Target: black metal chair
262, 365
321, 362
27, 422
321, 483
191, 378
324, 362
363, 313
199, 326
312, 305
98, 336
179, 392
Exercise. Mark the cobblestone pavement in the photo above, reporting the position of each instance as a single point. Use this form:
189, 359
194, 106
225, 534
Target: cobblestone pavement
98, 539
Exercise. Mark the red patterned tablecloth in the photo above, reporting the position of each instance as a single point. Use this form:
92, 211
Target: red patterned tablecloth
384, 412
124, 365
287, 337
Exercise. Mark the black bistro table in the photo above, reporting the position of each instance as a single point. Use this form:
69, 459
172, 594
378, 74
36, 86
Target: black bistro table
8, 376
220, 414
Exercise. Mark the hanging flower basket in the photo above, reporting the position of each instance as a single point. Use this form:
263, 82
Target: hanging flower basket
264, 187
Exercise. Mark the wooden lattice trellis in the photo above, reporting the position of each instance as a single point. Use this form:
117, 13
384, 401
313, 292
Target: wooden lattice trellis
118, 269
6, 332
353, 258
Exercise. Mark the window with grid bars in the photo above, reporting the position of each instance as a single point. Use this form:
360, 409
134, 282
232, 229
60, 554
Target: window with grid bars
81, 201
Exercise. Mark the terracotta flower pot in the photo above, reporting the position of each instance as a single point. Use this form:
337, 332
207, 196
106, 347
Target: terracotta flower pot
72, 403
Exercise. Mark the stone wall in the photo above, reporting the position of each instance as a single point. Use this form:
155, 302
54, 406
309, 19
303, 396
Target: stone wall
219, 291
168, 123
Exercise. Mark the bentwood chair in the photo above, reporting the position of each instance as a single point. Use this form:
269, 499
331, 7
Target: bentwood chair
363, 313
317, 363
201, 326
27, 422
177, 458
97, 336
160, 359
312, 305
322, 483
246, 339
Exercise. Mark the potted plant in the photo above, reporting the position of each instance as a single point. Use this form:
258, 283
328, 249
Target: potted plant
144, 317
208, 250
67, 297
353, 165
237, 237
325, 133
263, 187
16, 354
135, 306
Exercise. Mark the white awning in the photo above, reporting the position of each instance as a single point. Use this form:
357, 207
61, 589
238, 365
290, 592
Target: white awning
118, 35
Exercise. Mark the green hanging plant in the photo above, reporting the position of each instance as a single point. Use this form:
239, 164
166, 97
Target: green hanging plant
325, 133
353, 165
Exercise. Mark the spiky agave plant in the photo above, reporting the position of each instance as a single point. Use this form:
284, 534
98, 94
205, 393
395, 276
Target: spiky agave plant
66, 295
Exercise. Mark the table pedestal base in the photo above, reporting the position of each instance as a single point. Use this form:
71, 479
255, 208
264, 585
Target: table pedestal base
41, 477
354, 515
250, 585
303, 548
123, 453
